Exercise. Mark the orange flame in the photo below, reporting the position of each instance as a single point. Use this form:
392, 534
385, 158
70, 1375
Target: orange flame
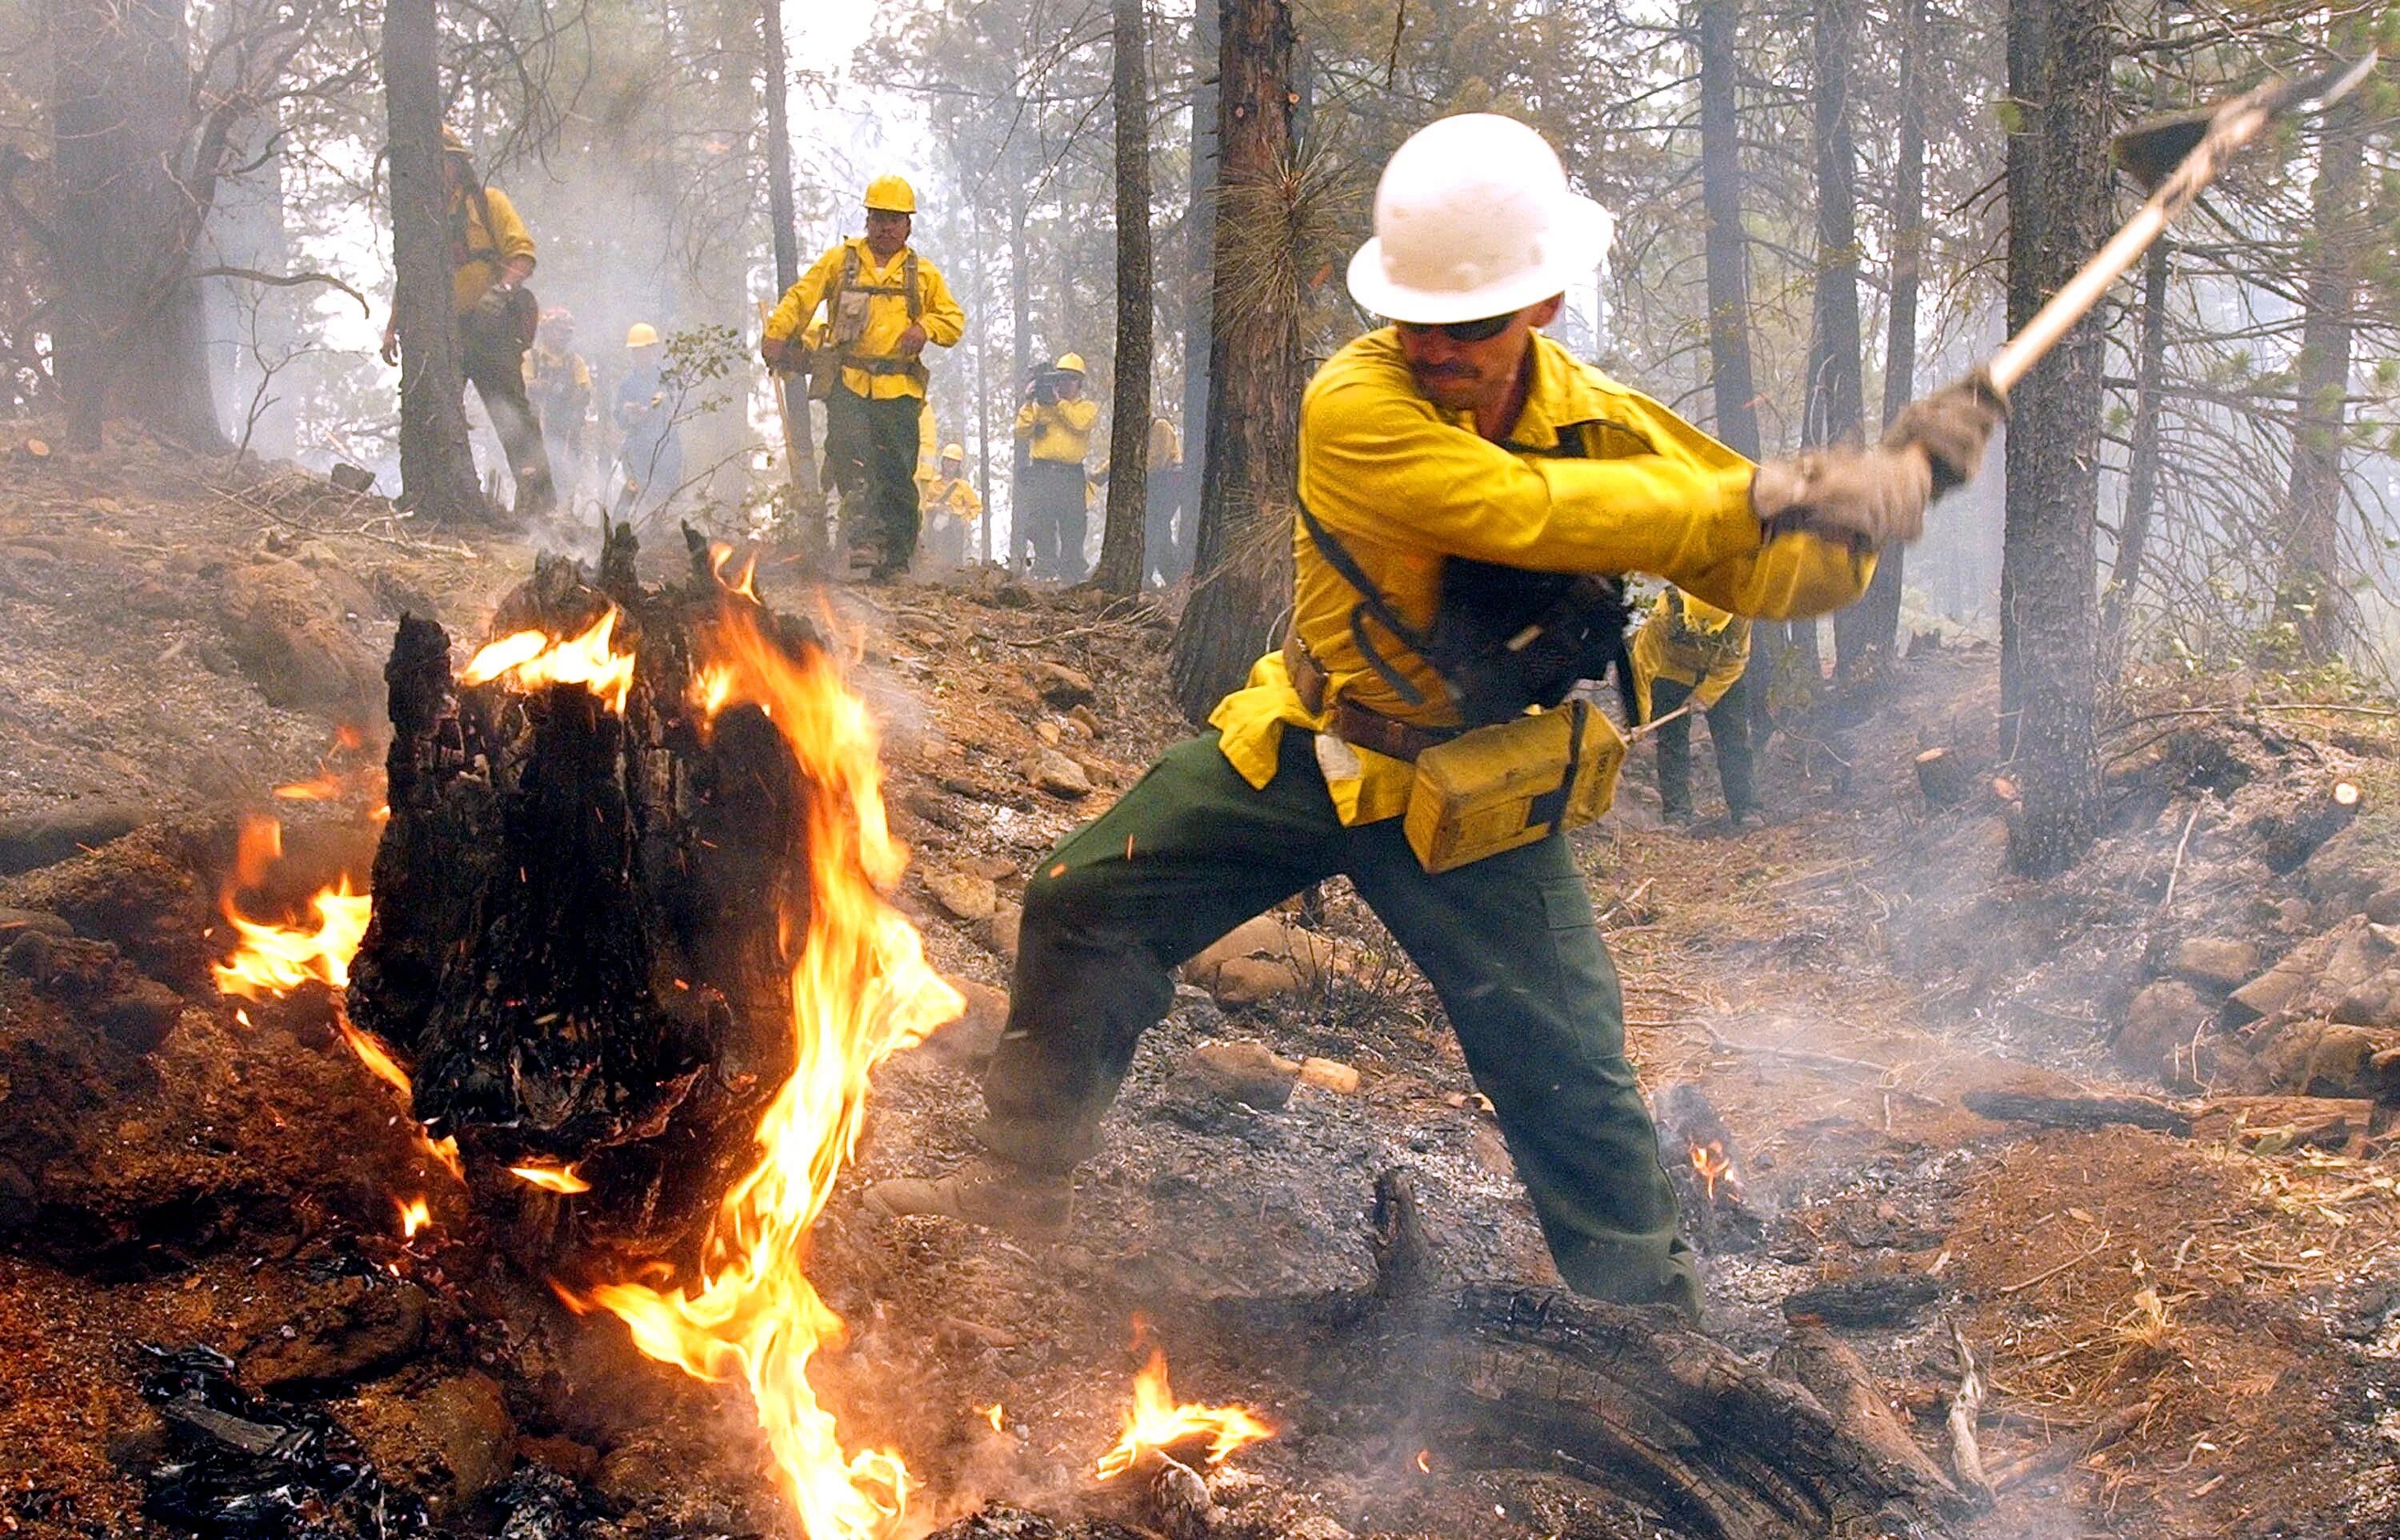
552, 1179
710, 689
861, 990
330, 785
992, 1414
415, 1215
1156, 1422
1710, 1161
718, 555
1425, 1461
276, 960
531, 658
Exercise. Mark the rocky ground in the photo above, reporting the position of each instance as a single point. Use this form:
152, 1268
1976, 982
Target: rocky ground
2187, 1314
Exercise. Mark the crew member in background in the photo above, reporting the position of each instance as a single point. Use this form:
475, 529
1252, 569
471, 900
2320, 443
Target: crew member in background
1690, 651
491, 256
1054, 425
559, 382
883, 302
1165, 548
950, 507
649, 450
1455, 463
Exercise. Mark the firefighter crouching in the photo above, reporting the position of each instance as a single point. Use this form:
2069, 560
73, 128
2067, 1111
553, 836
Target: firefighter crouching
1690, 653
883, 302
1467, 493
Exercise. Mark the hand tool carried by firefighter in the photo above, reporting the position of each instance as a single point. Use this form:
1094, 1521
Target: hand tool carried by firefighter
2176, 156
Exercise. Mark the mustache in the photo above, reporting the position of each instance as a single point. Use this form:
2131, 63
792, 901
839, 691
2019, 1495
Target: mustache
1442, 371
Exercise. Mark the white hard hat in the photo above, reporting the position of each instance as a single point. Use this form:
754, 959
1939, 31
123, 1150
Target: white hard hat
1473, 218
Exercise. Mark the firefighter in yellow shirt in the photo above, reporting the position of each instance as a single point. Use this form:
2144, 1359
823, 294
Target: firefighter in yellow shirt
1458, 472
1166, 548
1689, 652
558, 380
951, 508
1054, 434
491, 256
883, 302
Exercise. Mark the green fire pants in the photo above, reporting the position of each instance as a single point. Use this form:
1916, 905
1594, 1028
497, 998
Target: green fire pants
871, 452
1509, 944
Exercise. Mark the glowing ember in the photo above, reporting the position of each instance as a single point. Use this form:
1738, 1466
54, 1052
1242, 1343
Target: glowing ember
531, 659
552, 1179
1425, 1461
414, 1216
991, 1414
1710, 1161
2345, 795
1156, 1422
860, 990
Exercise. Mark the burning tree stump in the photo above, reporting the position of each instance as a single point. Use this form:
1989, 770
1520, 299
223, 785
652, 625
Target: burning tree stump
580, 900
1507, 1375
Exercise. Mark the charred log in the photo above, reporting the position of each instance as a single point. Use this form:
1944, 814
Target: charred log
1523, 1377
579, 915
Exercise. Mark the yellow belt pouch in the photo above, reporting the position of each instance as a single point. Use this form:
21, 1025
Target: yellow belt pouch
1498, 787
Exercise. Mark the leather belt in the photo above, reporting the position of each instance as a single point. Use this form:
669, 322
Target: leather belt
1352, 723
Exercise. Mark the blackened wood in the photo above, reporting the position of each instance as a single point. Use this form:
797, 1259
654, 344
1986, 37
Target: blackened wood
2077, 1112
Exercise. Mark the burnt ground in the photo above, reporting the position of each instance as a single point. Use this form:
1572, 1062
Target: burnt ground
177, 638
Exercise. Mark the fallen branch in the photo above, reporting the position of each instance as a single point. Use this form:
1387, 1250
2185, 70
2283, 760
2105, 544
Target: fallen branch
2049, 1273
2078, 1110
2081, 1444
1966, 1407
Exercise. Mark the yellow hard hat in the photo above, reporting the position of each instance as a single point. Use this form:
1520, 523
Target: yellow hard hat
641, 335
954, 452
891, 194
1069, 363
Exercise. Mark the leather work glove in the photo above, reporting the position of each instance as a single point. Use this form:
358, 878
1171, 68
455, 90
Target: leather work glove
1869, 497
1951, 426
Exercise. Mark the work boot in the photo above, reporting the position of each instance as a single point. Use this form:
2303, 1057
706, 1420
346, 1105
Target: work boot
983, 1192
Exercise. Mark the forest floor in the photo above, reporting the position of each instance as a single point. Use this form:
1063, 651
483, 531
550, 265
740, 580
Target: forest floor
2185, 1333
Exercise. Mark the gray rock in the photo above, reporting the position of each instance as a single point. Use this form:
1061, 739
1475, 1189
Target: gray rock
2160, 1022
44, 839
466, 1422
967, 895
348, 1330
1060, 776
1250, 1074
1059, 686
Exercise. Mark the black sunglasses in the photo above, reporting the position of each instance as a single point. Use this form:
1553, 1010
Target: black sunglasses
1463, 331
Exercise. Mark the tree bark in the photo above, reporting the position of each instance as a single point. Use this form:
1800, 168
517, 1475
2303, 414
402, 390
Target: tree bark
1242, 571
2060, 205
1727, 248
1833, 404
131, 339
1865, 635
1020, 306
1121, 559
807, 495
2309, 593
437, 468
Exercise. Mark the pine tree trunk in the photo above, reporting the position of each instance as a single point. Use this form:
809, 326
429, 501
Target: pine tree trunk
2309, 593
1020, 306
1833, 406
1121, 559
1864, 636
1727, 248
1241, 581
131, 339
2059, 207
1200, 261
807, 493
437, 468
2142, 470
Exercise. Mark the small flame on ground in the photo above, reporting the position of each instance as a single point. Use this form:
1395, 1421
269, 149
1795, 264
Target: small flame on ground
330, 785
861, 990
718, 555
415, 1215
552, 1179
1425, 1461
2345, 795
1156, 1422
1710, 1161
274, 960
991, 1414
532, 658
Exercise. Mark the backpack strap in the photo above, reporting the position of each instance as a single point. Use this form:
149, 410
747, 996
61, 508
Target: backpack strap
1371, 602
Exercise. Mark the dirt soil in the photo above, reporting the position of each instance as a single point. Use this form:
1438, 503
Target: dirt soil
178, 638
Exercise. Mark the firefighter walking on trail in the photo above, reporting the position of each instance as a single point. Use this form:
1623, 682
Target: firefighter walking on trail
1690, 653
1054, 428
1468, 495
491, 256
883, 302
